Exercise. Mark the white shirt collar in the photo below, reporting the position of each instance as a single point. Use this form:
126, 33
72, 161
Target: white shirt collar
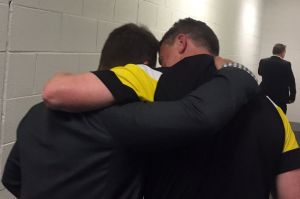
277, 56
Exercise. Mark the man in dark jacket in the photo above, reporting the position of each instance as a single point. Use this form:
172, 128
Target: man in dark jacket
278, 81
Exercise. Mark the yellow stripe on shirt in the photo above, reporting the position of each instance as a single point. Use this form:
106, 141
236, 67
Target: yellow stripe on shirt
290, 141
141, 78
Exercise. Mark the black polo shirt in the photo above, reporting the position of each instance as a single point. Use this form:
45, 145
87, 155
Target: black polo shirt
240, 162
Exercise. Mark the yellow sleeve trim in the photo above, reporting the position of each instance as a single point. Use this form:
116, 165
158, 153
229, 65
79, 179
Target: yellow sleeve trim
141, 78
290, 141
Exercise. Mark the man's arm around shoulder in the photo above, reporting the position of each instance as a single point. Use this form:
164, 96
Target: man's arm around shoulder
162, 125
75, 93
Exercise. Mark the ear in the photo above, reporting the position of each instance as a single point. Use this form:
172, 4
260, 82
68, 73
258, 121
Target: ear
181, 43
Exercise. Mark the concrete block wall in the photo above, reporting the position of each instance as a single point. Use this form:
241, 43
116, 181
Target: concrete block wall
41, 37
280, 26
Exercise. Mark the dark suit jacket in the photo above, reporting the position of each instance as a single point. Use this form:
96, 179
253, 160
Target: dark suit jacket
278, 81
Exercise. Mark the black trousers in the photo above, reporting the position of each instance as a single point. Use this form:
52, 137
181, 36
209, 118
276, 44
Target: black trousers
283, 106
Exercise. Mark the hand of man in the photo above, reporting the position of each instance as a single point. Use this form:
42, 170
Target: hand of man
291, 101
220, 62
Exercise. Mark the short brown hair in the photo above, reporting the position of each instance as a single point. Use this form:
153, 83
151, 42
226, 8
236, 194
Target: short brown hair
278, 49
129, 43
199, 32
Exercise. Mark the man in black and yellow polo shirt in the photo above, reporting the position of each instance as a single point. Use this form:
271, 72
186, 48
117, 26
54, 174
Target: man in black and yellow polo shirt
243, 160
251, 159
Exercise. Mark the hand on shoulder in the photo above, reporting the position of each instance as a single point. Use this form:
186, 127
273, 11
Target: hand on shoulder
220, 62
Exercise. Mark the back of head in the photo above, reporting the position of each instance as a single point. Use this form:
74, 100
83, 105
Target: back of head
279, 49
129, 44
198, 31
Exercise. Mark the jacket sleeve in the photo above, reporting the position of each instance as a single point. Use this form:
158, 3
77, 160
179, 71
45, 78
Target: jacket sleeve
260, 68
292, 85
167, 125
11, 178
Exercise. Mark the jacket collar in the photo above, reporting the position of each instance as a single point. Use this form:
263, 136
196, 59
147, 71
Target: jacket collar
204, 59
276, 57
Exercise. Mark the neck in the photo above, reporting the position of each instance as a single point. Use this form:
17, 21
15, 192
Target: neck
195, 50
280, 56
193, 53
192, 49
